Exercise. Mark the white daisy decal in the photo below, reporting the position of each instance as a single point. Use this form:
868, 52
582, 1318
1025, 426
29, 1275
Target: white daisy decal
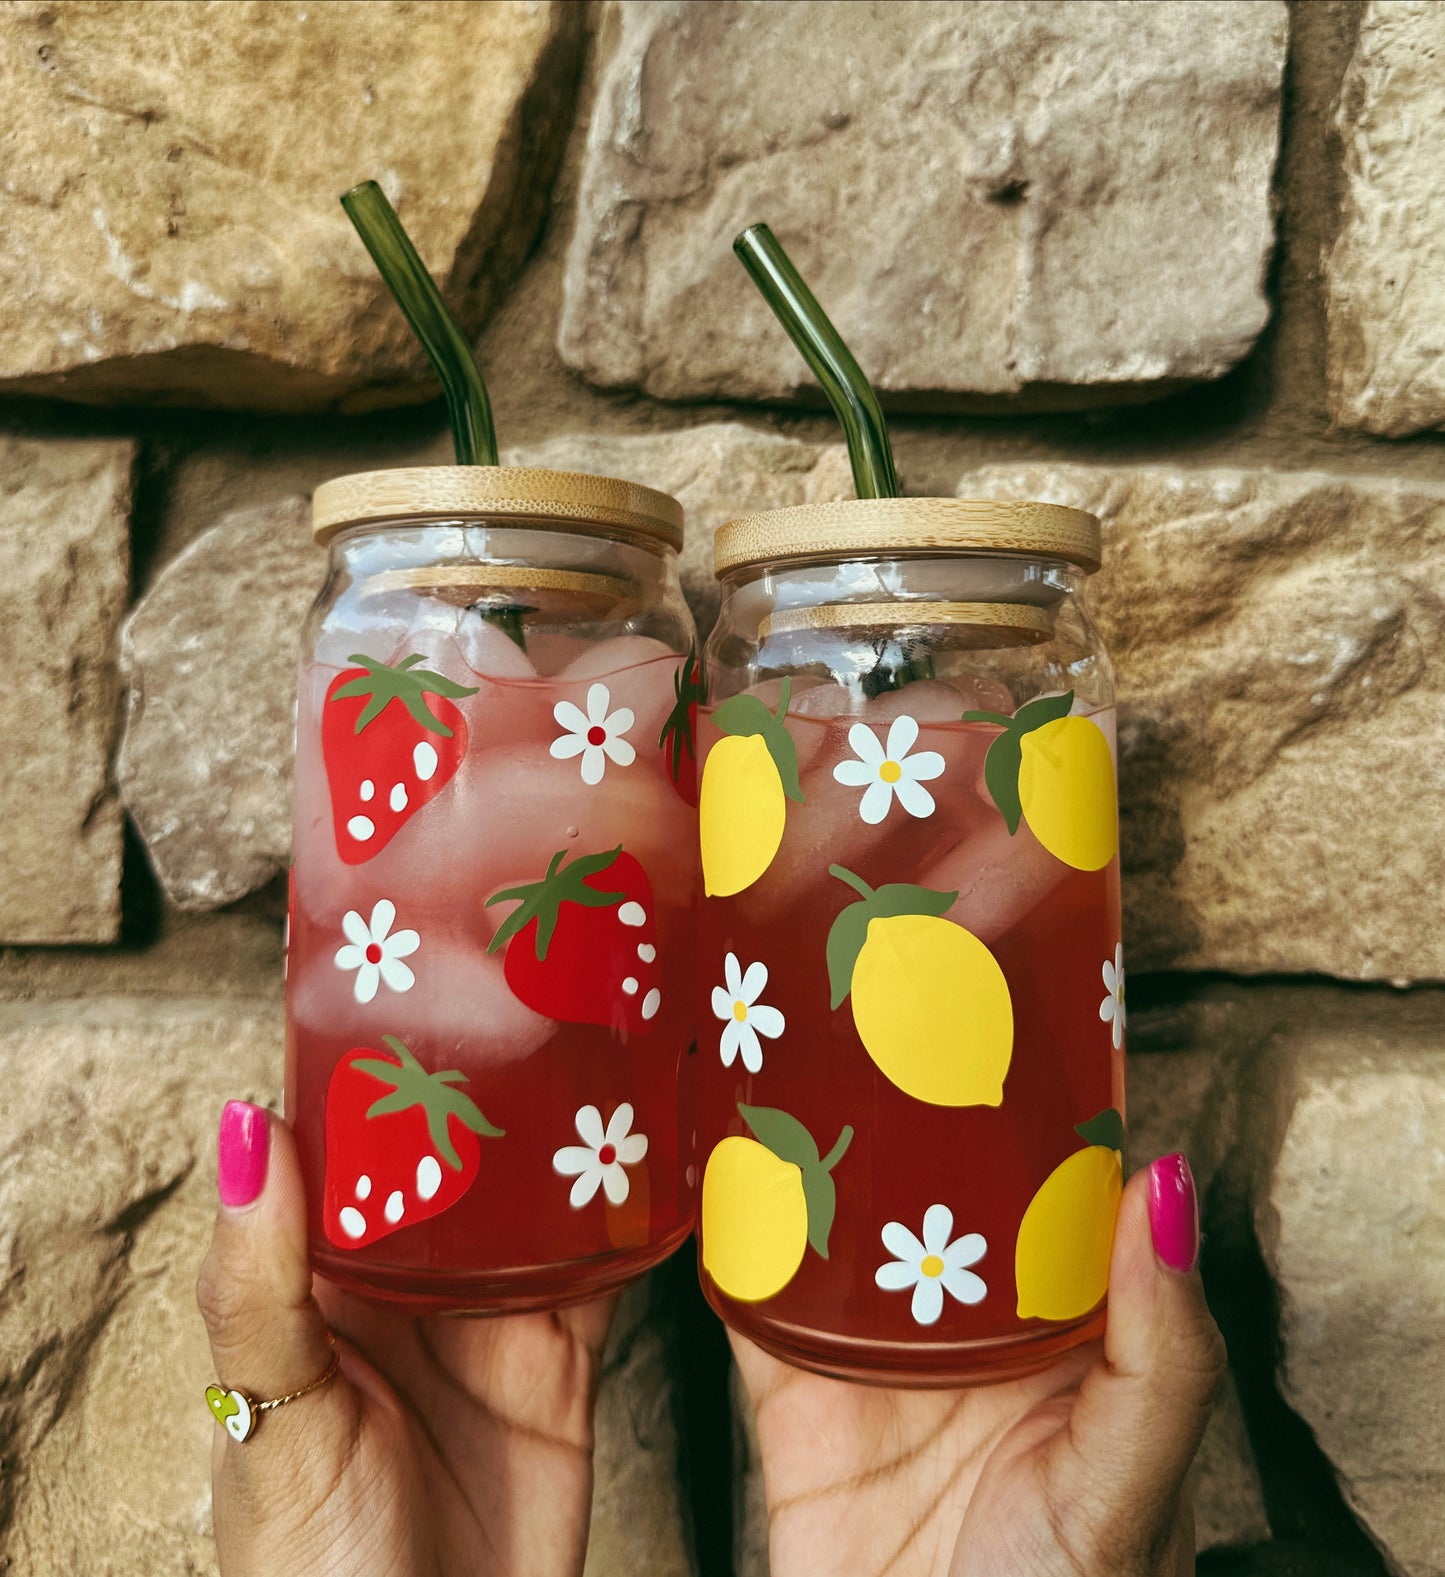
933, 1266
599, 1161
1111, 1009
375, 951
887, 771
745, 1018
597, 735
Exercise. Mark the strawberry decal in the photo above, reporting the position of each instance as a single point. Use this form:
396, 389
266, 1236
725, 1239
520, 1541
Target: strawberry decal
679, 732
388, 750
582, 942
402, 1144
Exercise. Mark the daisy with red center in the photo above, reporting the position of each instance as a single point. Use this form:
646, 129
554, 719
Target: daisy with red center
600, 1161
597, 735
375, 951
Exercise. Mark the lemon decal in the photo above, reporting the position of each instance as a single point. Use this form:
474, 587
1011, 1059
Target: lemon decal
1055, 771
930, 1002
746, 783
1061, 1261
764, 1200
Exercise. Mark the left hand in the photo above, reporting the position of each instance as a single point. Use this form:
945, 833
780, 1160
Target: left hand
442, 1446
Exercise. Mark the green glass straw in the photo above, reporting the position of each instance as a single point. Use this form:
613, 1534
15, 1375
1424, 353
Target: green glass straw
440, 334
848, 391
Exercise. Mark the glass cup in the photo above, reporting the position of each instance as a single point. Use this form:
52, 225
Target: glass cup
489, 994
911, 976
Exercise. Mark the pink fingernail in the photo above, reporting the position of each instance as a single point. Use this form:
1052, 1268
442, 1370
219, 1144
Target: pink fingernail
242, 1154
1174, 1212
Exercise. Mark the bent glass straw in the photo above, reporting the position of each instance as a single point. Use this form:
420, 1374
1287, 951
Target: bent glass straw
441, 337
822, 347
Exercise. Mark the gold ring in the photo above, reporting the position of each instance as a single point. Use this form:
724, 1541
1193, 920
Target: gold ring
238, 1413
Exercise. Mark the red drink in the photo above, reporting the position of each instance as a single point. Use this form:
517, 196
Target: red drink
490, 982
911, 1045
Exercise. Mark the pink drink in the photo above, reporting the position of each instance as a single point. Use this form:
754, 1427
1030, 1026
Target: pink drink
489, 999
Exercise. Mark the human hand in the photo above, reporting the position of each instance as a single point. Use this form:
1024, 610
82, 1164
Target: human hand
442, 1446
1077, 1471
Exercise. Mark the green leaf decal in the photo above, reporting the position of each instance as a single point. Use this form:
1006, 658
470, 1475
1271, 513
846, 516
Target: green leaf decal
1105, 1128
821, 1197
411, 1085
543, 900
790, 1141
688, 692
850, 930
1001, 775
1043, 709
845, 941
405, 683
1005, 754
742, 714
781, 1133
745, 715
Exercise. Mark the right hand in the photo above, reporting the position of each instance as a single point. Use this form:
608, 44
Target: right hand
1075, 1471
443, 1445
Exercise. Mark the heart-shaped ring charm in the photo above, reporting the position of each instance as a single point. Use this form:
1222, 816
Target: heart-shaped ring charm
232, 1411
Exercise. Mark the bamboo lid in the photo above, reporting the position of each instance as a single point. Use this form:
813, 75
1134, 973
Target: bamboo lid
559, 500
970, 624
913, 527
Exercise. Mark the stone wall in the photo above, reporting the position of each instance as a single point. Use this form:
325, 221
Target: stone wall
1180, 264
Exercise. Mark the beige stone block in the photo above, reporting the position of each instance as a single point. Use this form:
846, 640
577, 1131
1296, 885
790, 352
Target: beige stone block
1001, 206
1384, 276
169, 224
64, 582
1353, 1229
106, 1197
1279, 655
210, 655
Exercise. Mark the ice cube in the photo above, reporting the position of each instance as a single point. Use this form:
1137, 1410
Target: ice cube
828, 828
534, 805
488, 649
637, 674
999, 878
460, 1003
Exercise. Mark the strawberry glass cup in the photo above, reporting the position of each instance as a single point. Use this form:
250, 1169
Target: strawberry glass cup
911, 998
489, 994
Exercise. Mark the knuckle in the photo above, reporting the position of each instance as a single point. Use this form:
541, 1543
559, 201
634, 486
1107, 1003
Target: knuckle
1201, 1357
225, 1302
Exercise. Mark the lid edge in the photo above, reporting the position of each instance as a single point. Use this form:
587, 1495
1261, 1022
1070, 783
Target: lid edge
520, 492
880, 526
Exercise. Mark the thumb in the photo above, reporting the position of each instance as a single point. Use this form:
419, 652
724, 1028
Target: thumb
268, 1338
1141, 1412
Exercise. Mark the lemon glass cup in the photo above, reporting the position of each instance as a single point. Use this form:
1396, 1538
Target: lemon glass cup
911, 1032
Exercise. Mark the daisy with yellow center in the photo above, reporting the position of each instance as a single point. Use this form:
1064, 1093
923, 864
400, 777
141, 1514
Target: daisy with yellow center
886, 771
932, 1265
744, 1018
